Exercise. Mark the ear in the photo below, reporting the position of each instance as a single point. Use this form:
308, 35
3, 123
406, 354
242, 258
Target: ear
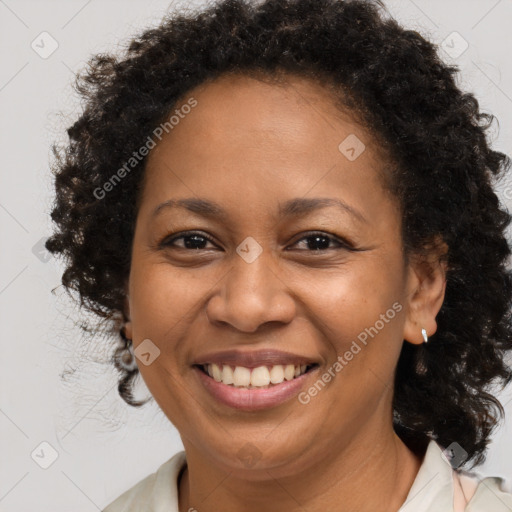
127, 323
426, 286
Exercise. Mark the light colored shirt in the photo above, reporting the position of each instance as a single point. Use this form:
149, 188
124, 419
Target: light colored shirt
436, 488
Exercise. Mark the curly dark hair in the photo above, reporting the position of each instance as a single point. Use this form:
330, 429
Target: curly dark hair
442, 175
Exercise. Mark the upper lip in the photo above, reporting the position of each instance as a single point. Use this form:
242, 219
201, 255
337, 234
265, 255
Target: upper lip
254, 358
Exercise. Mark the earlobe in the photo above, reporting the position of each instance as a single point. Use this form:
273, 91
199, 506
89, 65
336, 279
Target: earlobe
419, 332
128, 332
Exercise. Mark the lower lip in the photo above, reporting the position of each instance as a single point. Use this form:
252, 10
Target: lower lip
253, 399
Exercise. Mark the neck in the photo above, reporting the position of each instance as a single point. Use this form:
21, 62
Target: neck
373, 471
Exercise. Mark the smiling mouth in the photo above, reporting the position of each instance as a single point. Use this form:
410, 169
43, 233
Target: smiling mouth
260, 377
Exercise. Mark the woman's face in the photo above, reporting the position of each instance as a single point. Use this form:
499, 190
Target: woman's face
340, 300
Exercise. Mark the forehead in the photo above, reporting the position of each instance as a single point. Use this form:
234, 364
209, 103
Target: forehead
239, 110
247, 142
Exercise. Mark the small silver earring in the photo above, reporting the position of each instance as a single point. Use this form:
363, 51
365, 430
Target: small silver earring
425, 337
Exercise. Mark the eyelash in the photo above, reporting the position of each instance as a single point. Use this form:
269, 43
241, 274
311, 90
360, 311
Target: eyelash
342, 244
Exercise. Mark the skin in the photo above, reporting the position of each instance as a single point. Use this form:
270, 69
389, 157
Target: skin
250, 146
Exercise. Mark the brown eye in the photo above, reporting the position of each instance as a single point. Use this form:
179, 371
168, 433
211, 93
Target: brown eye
191, 240
322, 241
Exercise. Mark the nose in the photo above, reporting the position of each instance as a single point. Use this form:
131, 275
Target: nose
250, 295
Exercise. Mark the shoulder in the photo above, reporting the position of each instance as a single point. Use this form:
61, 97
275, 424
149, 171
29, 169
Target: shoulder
485, 494
157, 490
474, 492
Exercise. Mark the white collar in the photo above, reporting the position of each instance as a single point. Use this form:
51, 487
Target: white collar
432, 488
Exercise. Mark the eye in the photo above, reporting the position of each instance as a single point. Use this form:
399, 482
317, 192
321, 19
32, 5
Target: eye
191, 240
319, 241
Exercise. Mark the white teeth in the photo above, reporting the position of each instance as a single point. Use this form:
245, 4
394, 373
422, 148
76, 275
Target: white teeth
277, 374
289, 372
217, 374
241, 376
262, 376
227, 374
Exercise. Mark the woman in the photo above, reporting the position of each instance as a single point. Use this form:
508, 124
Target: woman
286, 211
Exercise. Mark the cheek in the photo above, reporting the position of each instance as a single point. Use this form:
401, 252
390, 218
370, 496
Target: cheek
351, 300
358, 318
162, 306
161, 297
361, 315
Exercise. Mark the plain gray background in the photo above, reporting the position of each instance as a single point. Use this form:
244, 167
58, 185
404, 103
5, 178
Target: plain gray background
102, 446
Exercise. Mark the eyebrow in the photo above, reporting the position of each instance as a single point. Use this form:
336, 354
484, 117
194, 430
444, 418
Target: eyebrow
291, 208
